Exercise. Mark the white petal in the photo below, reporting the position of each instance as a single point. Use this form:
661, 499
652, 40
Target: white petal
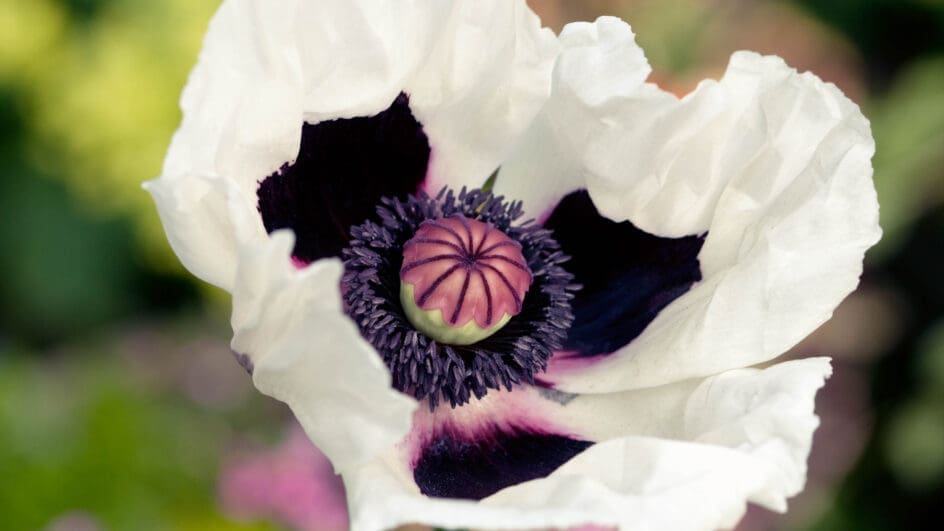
684, 457
307, 353
477, 72
268, 66
776, 166
265, 67
358, 55
204, 218
242, 106
599, 67
484, 82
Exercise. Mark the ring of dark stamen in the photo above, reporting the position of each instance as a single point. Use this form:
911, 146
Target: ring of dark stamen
423, 367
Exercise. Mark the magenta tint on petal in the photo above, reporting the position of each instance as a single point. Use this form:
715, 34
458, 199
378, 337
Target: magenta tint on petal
294, 485
342, 170
628, 276
467, 269
475, 451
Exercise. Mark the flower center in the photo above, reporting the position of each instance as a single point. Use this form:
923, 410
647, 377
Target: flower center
462, 279
437, 285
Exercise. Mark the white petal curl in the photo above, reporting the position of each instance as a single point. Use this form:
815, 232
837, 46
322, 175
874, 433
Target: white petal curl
687, 456
204, 217
599, 66
776, 167
307, 353
482, 85
268, 66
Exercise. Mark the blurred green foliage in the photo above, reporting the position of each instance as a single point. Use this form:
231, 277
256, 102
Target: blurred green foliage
82, 433
914, 442
88, 101
103, 99
88, 95
59, 267
890, 34
908, 124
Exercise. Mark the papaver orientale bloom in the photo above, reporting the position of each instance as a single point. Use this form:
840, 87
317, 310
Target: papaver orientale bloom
329, 166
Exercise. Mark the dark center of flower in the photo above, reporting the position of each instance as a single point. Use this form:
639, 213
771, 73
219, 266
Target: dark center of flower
462, 279
438, 286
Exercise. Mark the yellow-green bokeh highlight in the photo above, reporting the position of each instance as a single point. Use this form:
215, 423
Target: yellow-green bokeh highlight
30, 31
104, 98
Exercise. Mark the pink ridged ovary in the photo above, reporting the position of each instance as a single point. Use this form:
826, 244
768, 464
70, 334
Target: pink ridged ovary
467, 269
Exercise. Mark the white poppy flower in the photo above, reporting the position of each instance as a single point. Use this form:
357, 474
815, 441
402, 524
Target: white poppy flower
708, 234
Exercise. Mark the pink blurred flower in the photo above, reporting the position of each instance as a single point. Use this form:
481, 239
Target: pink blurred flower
293, 484
74, 521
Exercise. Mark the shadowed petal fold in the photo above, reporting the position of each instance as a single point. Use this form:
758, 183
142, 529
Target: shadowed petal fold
776, 167
686, 456
599, 65
333, 379
272, 73
627, 276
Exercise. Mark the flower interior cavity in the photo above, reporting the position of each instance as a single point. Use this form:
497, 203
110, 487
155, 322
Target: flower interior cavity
454, 296
462, 280
342, 170
483, 332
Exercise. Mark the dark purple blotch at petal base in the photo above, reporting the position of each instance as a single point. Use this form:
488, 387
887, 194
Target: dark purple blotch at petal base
343, 168
453, 467
628, 275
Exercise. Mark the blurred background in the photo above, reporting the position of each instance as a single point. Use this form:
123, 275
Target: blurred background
120, 404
